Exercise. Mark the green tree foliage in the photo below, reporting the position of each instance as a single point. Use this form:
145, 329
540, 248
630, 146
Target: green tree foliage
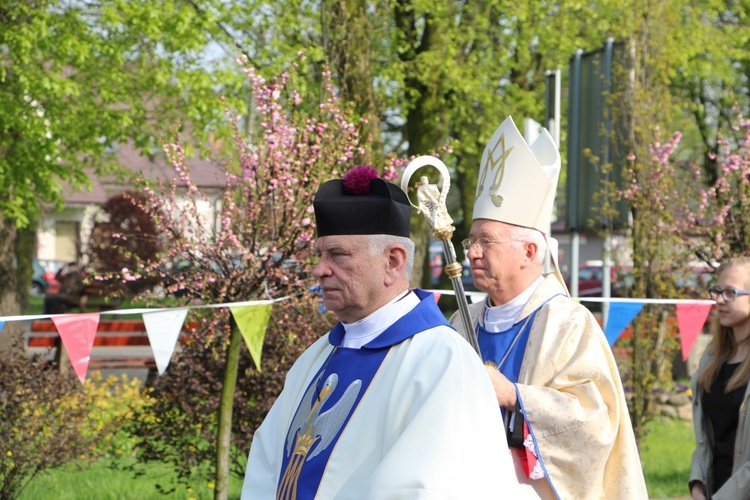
430, 75
80, 77
659, 61
76, 79
708, 74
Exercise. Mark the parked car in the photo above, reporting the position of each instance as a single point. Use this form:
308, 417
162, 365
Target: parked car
695, 284
466, 278
39, 283
437, 263
51, 267
591, 276
692, 283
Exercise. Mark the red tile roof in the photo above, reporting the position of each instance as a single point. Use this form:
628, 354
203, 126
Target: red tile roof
204, 173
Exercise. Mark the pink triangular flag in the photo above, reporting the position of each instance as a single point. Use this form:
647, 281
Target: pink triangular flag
163, 329
77, 332
690, 320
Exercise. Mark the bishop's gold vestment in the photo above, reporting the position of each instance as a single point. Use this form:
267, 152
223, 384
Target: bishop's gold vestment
574, 402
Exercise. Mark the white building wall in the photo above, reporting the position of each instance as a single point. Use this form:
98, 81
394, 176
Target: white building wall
48, 239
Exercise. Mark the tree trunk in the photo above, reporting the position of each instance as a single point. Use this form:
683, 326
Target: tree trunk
660, 361
347, 38
11, 333
226, 407
24, 252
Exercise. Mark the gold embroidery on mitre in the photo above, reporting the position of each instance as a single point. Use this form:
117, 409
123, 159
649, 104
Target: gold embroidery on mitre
497, 200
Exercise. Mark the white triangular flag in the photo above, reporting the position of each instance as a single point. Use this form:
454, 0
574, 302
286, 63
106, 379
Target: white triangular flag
163, 329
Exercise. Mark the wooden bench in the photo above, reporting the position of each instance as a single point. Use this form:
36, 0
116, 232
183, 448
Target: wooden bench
110, 334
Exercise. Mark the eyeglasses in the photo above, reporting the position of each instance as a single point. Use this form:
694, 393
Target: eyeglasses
481, 242
728, 294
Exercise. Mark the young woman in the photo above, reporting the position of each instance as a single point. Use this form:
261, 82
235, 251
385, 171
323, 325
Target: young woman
721, 461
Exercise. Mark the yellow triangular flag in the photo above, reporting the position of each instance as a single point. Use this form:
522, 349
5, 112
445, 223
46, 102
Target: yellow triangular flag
252, 321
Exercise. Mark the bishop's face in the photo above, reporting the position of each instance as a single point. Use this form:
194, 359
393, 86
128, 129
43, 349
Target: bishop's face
351, 279
495, 259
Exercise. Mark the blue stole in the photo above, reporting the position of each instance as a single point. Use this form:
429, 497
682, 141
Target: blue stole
505, 351
495, 346
509, 344
333, 395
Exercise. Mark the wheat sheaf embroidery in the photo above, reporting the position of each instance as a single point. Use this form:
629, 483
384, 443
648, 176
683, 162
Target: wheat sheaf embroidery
495, 164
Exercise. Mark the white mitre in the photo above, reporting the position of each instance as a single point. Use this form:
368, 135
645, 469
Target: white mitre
517, 183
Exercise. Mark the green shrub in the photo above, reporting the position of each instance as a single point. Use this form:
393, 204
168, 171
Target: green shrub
179, 424
43, 414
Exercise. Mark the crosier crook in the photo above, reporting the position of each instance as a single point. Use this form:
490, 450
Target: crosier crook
431, 201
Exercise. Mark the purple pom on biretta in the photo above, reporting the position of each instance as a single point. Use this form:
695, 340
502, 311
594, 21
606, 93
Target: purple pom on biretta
361, 202
356, 182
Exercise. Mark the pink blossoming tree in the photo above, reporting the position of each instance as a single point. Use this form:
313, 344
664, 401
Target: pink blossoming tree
257, 246
677, 216
720, 216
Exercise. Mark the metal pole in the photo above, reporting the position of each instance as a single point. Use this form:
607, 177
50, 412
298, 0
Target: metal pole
574, 138
607, 156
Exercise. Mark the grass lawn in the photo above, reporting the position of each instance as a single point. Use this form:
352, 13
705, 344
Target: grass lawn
104, 481
665, 453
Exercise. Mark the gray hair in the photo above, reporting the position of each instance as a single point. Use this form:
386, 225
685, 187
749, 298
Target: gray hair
378, 242
529, 235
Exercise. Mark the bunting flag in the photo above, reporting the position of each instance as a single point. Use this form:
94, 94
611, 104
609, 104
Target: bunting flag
319, 292
690, 320
252, 322
620, 316
163, 325
163, 329
77, 332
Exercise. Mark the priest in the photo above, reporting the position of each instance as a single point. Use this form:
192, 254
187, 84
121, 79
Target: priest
392, 402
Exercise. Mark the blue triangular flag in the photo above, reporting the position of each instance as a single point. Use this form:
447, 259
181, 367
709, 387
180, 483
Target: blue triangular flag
318, 291
620, 316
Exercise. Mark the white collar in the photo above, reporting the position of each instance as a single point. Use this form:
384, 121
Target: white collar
363, 331
500, 318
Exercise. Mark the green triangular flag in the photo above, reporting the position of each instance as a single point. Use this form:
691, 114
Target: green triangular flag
252, 321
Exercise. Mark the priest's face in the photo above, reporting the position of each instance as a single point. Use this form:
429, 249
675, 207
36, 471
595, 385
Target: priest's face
351, 279
496, 259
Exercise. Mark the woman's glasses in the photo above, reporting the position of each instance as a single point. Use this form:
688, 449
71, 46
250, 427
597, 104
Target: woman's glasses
728, 294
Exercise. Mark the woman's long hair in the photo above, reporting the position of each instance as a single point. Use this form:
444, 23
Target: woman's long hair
723, 344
